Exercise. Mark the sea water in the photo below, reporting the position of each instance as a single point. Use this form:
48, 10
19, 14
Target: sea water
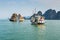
25, 31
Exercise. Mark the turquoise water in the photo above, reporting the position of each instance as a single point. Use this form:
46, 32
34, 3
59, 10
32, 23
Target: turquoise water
25, 31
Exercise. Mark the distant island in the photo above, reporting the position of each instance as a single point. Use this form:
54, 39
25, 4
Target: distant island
50, 14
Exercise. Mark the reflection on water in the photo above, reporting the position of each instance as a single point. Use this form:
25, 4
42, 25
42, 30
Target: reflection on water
41, 31
42, 27
21, 31
25, 31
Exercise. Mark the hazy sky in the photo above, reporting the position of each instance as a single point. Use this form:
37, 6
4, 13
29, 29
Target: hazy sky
26, 7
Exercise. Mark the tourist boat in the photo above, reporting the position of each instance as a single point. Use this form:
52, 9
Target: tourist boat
13, 18
20, 18
37, 19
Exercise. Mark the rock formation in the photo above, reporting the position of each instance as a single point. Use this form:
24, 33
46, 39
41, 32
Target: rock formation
40, 13
20, 18
50, 14
13, 17
58, 15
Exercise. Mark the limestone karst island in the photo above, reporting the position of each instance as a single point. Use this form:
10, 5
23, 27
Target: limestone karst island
16, 17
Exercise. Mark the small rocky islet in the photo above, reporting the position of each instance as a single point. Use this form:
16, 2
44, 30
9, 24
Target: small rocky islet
15, 18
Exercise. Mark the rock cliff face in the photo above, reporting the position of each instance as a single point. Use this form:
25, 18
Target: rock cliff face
20, 18
40, 13
50, 14
16, 17
58, 15
13, 17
